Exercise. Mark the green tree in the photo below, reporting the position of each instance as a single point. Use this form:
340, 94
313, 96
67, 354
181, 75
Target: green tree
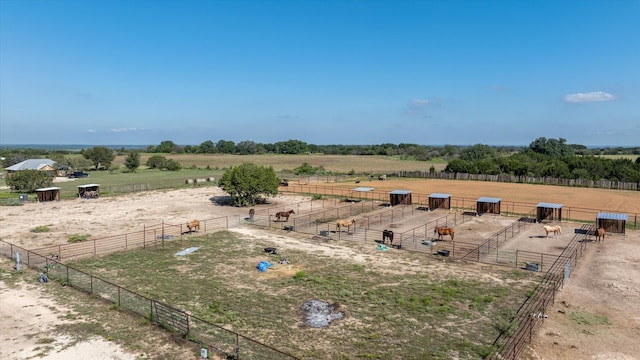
29, 180
162, 163
166, 146
248, 182
305, 169
226, 147
99, 156
207, 147
477, 152
132, 161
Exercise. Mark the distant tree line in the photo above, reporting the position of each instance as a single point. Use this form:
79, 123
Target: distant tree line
542, 158
545, 158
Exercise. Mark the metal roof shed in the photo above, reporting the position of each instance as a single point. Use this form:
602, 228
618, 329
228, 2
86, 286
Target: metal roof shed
610, 222
488, 205
439, 201
48, 194
549, 211
400, 197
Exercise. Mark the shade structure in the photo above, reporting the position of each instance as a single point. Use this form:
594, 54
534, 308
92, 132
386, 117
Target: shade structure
400, 197
549, 212
439, 201
48, 194
612, 222
89, 191
488, 205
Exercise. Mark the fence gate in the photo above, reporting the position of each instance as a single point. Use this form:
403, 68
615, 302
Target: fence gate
171, 318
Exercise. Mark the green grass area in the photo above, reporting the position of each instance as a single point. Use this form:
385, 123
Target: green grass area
388, 315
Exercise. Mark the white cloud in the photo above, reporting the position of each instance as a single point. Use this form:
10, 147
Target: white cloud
123, 130
589, 97
419, 102
91, 130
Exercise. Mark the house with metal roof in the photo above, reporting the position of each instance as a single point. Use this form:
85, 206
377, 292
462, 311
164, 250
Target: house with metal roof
32, 164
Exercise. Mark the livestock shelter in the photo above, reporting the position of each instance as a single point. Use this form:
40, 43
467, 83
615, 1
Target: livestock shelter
611, 222
400, 197
488, 205
364, 190
89, 191
48, 194
549, 211
439, 201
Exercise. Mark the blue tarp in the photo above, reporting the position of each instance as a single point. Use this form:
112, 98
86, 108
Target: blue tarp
263, 266
186, 251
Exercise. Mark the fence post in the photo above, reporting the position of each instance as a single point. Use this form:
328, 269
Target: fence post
516, 264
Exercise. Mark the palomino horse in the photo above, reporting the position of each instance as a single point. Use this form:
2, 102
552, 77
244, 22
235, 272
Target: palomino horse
600, 234
444, 231
284, 215
252, 213
345, 223
193, 225
552, 229
387, 234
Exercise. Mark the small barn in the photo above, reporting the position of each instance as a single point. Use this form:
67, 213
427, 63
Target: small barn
439, 201
549, 212
400, 197
48, 194
89, 191
611, 222
488, 205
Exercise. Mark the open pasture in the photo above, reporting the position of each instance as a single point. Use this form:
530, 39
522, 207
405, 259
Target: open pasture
396, 304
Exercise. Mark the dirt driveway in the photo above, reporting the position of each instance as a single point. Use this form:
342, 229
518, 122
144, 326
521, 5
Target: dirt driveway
596, 316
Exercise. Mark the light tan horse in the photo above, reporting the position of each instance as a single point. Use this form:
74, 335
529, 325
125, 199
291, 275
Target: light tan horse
345, 223
552, 229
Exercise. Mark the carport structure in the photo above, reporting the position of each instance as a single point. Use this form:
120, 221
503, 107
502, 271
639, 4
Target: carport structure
363, 191
439, 201
400, 197
549, 211
612, 222
488, 205
48, 194
89, 191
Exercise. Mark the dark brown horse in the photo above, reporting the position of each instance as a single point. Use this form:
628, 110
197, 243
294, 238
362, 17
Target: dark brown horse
252, 212
387, 234
444, 231
284, 215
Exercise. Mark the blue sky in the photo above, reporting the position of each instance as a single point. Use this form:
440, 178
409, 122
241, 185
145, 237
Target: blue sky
324, 72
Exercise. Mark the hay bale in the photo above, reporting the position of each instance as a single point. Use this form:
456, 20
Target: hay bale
189, 181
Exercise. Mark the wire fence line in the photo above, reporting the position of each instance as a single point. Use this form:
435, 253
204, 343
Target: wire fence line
315, 218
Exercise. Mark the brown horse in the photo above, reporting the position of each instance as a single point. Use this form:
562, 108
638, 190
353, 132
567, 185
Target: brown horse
444, 231
284, 215
193, 225
600, 234
387, 234
345, 223
252, 212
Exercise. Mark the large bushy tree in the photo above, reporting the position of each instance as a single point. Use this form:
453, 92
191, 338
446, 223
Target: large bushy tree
99, 156
247, 183
29, 180
132, 161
